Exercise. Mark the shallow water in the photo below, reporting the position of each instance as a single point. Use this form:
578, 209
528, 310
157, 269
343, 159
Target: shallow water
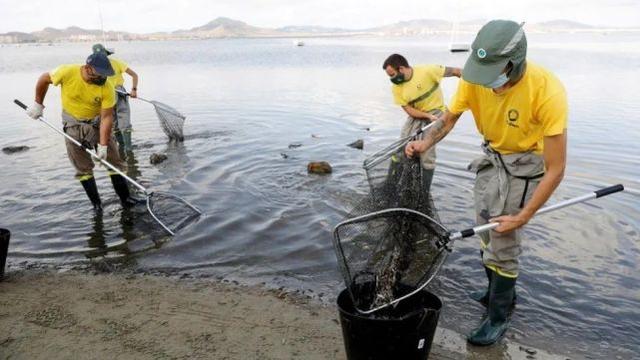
268, 221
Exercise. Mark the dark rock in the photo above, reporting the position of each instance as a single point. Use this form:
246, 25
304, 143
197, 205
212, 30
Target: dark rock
284, 156
157, 158
14, 149
358, 144
294, 145
319, 167
366, 129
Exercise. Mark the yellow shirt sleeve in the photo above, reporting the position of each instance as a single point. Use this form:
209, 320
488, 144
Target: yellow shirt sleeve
397, 96
108, 95
460, 101
58, 74
554, 114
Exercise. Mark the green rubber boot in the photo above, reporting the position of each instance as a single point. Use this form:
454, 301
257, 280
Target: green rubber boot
496, 323
482, 296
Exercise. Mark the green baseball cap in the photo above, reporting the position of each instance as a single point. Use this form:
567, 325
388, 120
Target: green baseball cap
100, 48
497, 43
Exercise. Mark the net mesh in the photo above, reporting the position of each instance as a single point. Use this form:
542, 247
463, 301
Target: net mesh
172, 211
171, 120
392, 242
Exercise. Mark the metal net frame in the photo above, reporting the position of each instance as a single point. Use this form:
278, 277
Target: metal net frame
171, 211
171, 120
391, 244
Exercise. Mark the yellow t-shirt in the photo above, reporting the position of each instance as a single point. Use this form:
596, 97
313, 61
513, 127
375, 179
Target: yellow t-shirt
119, 67
518, 119
81, 99
422, 91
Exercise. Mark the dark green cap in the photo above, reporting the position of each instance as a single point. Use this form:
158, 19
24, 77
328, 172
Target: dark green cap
497, 43
97, 48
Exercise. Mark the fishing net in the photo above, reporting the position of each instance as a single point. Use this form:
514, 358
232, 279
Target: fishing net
171, 211
392, 244
171, 120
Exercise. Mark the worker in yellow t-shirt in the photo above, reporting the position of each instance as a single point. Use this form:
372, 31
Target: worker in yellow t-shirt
87, 116
417, 90
122, 112
521, 110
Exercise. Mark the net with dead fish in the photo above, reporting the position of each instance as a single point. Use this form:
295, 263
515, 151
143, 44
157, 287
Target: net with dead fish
391, 243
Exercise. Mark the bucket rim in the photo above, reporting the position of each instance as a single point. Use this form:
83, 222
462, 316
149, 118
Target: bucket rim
355, 313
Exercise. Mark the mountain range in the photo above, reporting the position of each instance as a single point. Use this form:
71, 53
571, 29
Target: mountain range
222, 27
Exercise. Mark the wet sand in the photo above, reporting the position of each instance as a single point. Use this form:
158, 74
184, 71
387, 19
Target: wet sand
49, 314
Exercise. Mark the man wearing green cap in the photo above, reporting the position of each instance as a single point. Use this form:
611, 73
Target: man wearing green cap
122, 111
417, 90
87, 116
521, 111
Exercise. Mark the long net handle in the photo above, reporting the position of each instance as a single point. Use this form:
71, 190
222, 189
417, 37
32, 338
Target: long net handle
92, 153
590, 196
378, 158
137, 97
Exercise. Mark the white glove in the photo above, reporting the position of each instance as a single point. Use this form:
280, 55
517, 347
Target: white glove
102, 152
35, 111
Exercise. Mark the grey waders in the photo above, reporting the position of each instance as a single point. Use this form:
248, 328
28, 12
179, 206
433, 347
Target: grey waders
500, 303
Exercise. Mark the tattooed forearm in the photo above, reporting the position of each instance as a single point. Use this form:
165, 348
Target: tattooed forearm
440, 129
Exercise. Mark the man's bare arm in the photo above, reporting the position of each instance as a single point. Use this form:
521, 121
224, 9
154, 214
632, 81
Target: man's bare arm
134, 82
42, 86
417, 114
433, 135
106, 122
452, 71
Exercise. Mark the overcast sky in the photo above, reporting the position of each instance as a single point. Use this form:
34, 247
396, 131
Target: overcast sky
166, 15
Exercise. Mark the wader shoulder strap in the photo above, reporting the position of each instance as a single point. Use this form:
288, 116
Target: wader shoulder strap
425, 95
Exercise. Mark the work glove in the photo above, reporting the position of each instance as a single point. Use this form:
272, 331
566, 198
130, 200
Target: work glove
101, 152
35, 110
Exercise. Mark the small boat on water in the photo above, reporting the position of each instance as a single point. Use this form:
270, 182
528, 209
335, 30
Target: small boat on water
298, 42
459, 47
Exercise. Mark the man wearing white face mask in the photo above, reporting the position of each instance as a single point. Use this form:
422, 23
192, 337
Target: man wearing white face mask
521, 111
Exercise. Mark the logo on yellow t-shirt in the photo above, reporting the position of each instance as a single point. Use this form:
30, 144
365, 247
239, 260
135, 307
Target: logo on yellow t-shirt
512, 117
97, 100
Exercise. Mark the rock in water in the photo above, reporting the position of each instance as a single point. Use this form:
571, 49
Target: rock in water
14, 149
358, 144
155, 159
319, 167
294, 145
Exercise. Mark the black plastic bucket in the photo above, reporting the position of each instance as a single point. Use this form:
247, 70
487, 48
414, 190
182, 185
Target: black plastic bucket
407, 334
4, 249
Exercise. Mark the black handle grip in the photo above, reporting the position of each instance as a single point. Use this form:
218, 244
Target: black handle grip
19, 103
609, 190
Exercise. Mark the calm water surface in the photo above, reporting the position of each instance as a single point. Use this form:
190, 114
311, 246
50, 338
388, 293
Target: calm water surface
268, 221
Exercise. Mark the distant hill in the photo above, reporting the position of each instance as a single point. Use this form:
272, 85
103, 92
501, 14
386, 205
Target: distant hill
222, 27
225, 27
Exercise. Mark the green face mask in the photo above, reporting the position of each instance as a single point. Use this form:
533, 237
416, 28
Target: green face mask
398, 79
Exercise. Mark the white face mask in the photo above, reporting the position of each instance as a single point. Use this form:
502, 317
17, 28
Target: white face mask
499, 82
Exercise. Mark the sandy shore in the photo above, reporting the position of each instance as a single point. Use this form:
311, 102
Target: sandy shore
48, 314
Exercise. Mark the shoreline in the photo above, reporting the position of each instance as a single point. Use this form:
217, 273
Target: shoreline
46, 313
